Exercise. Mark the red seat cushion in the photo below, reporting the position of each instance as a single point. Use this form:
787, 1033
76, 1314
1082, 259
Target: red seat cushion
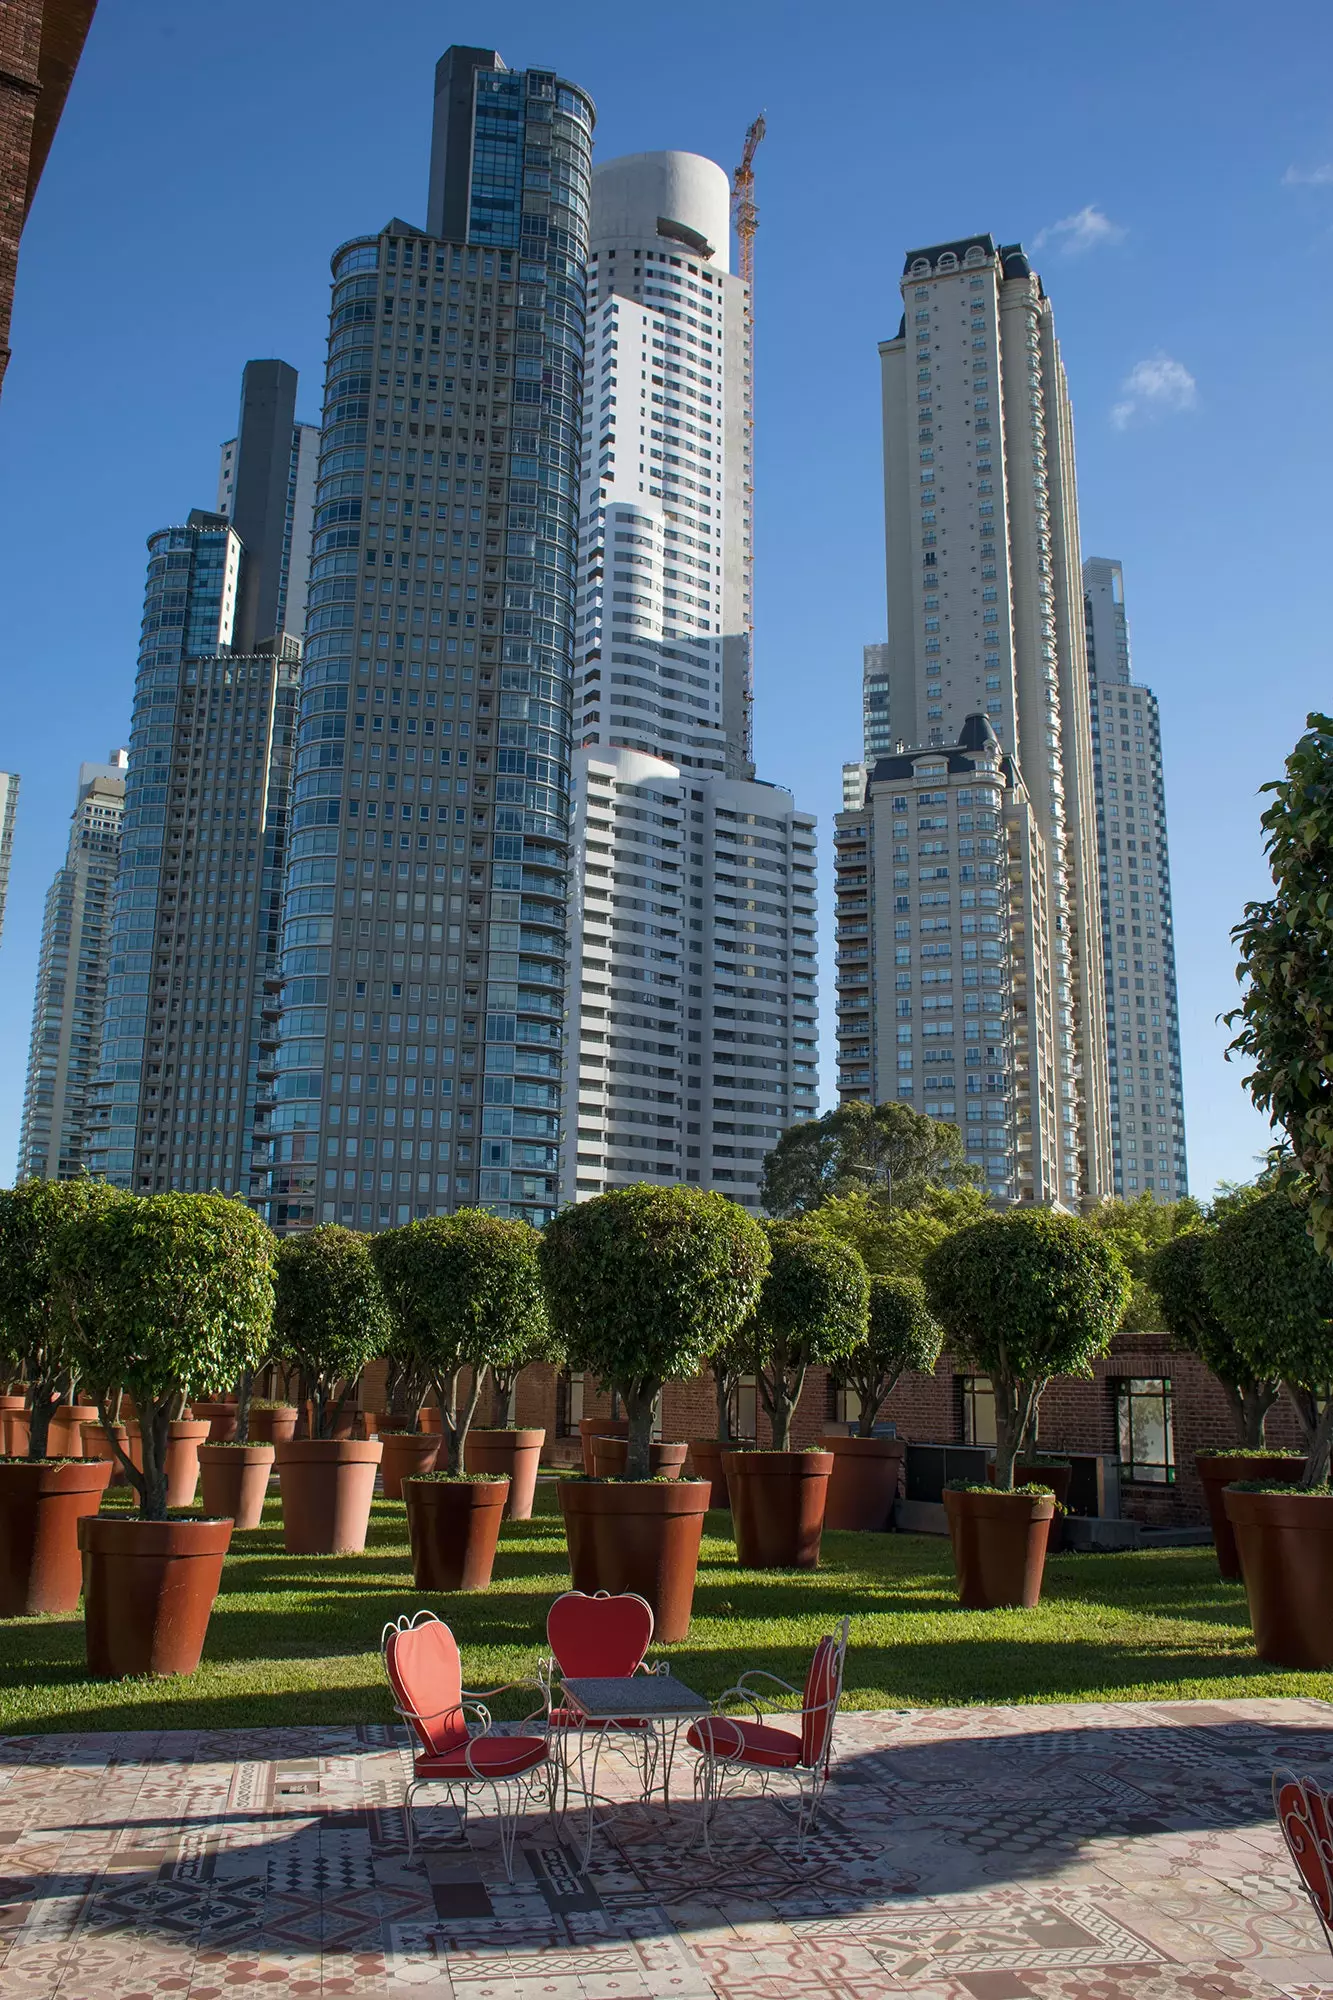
746, 1742
492, 1757
573, 1718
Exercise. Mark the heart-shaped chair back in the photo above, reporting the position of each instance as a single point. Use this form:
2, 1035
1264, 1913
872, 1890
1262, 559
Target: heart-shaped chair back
603, 1636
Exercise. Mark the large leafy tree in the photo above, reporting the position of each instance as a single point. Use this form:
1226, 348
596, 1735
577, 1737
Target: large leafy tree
466, 1294
1022, 1297
37, 1325
1138, 1229
172, 1297
331, 1317
889, 1149
1284, 1023
643, 1286
1273, 1292
902, 1336
1179, 1274
894, 1239
811, 1312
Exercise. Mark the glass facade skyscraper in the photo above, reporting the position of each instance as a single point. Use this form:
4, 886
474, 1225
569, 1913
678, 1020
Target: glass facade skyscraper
416, 1041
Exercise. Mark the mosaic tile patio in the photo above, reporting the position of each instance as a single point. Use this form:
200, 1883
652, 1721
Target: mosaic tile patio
1065, 1853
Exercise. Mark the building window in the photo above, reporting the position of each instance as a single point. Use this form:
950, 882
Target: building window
1144, 1430
978, 1400
568, 1403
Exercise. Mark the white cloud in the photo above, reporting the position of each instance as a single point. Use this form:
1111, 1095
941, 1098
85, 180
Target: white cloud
1314, 177
1154, 388
1090, 229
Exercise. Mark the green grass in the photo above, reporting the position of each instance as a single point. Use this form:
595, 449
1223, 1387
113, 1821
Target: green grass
295, 1639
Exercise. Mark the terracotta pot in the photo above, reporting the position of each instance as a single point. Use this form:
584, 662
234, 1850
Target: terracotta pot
65, 1437
777, 1506
183, 1441
220, 1418
348, 1423
370, 1423
96, 1444
864, 1482
515, 1453
638, 1536
235, 1480
12, 1406
327, 1487
1286, 1557
273, 1426
16, 1433
1030, 1472
404, 1452
41, 1506
453, 1526
999, 1547
148, 1590
591, 1427
429, 1420
665, 1461
705, 1462
1223, 1470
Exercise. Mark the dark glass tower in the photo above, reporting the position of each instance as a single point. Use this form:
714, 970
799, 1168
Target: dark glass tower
416, 1031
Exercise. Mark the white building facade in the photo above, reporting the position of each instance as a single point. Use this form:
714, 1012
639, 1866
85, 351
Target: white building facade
1138, 939
985, 620
693, 984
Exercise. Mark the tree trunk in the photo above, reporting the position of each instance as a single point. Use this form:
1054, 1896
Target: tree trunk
722, 1384
154, 1434
1321, 1447
245, 1389
41, 1406
1015, 1413
504, 1401
640, 1405
781, 1392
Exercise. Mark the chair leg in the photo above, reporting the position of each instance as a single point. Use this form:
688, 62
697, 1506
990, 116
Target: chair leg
408, 1821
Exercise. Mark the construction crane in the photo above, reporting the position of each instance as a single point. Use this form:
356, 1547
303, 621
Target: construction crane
746, 213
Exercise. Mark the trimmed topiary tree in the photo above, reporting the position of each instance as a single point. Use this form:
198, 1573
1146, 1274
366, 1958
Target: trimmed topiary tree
538, 1344
1273, 1291
330, 1316
644, 1284
811, 1311
1024, 1296
36, 1320
902, 1336
172, 1297
466, 1293
1179, 1277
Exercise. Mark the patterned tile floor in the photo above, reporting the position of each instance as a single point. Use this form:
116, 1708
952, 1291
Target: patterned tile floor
1078, 1853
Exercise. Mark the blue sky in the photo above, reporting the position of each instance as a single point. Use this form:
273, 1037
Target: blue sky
1171, 166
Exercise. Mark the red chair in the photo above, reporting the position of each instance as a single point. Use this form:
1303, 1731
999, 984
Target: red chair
603, 1638
1305, 1814
730, 1747
425, 1673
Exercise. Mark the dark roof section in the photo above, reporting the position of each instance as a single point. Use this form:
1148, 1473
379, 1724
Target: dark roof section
977, 734
1013, 261
395, 226
680, 232
960, 249
975, 737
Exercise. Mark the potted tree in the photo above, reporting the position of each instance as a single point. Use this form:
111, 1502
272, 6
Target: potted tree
172, 1295
329, 1319
463, 1288
729, 1365
811, 1309
408, 1446
642, 1285
1022, 1297
901, 1334
1179, 1274
1274, 1292
501, 1446
45, 1494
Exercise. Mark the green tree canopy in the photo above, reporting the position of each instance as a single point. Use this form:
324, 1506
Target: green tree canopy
331, 1317
466, 1293
1022, 1297
888, 1149
1273, 1291
172, 1297
1285, 1019
896, 1240
811, 1311
902, 1336
1138, 1228
36, 1319
1178, 1274
644, 1284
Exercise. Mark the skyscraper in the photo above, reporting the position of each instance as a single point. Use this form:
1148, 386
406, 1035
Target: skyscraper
695, 883
1138, 943
985, 661
71, 981
9, 805
266, 489
424, 944
198, 892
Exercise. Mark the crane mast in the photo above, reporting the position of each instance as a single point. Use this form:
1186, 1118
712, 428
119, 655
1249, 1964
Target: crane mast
746, 214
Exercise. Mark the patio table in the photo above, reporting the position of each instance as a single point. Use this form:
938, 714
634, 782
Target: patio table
658, 1701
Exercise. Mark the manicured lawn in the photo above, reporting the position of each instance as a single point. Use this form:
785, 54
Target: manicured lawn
294, 1639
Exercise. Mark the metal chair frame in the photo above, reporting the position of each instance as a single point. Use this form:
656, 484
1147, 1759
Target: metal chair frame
513, 1792
644, 1745
1310, 1847
714, 1771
